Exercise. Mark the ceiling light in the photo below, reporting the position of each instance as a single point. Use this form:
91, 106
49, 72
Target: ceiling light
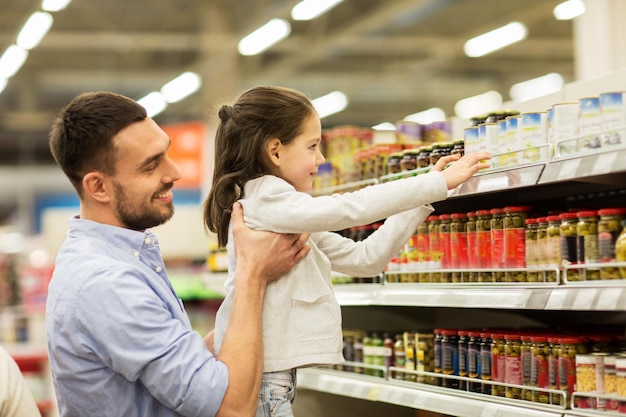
12, 60
310, 9
35, 28
480, 104
537, 87
496, 39
569, 9
154, 103
3, 83
385, 126
54, 5
425, 117
264, 37
182, 86
330, 103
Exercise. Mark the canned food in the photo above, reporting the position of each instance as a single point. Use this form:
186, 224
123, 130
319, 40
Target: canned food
565, 127
613, 107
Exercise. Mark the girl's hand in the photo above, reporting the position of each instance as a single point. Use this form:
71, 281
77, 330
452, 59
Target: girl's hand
461, 169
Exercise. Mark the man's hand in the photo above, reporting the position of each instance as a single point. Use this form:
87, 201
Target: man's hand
271, 255
460, 170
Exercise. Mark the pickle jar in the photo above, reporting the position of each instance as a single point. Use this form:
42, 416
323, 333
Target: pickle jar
472, 262
485, 361
553, 247
553, 368
399, 355
497, 243
473, 361
513, 369
483, 245
568, 244
570, 347
514, 247
620, 250
422, 252
498, 364
434, 247
458, 246
542, 244
531, 250
423, 156
444, 245
425, 355
463, 358
526, 358
439, 150
539, 371
437, 354
587, 245
609, 227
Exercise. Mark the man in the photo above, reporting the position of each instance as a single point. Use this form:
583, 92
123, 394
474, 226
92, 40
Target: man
119, 340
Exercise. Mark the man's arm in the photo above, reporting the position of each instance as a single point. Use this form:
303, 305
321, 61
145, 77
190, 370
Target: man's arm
262, 257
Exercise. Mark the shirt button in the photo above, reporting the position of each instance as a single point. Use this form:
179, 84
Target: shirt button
136, 254
158, 269
147, 241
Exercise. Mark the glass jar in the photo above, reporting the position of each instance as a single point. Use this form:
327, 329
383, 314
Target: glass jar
514, 248
458, 147
539, 371
394, 163
473, 361
463, 357
409, 159
449, 357
498, 364
437, 354
458, 245
587, 245
485, 361
472, 262
497, 243
440, 149
423, 156
425, 356
553, 247
483, 245
609, 227
526, 365
409, 355
554, 343
513, 369
542, 243
399, 355
422, 252
434, 247
531, 249
568, 242
620, 249
445, 247
570, 347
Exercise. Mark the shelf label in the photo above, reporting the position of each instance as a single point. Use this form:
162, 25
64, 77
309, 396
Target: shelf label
489, 412
608, 299
584, 299
373, 393
604, 163
569, 168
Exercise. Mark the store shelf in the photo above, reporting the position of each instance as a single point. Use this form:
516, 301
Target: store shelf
435, 399
601, 162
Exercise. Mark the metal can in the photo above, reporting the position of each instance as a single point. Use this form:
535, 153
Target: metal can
534, 133
565, 128
590, 125
613, 107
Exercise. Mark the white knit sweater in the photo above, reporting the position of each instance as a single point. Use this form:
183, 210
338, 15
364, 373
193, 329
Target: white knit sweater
301, 317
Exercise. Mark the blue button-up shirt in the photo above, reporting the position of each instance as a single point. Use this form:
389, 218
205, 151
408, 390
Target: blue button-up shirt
119, 339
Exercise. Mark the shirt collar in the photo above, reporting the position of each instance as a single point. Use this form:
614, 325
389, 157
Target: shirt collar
122, 237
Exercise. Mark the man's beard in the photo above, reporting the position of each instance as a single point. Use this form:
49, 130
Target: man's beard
142, 216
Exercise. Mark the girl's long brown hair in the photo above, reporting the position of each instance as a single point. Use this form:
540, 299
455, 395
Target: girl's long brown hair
258, 115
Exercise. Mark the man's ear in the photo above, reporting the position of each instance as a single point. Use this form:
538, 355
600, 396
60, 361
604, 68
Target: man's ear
273, 149
95, 187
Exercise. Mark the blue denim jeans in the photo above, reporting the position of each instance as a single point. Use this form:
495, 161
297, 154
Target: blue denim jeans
278, 392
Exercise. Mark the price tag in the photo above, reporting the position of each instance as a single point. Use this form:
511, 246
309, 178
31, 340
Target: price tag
604, 163
608, 299
569, 168
373, 393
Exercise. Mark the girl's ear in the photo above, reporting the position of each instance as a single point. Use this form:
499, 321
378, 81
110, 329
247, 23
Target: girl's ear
273, 149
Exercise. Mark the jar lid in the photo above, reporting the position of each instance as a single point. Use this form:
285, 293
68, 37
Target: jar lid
516, 209
587, 213
458, 216
553, 218
495, 211
444, 217
432, 217
612, 211
539, 339
449, 332
512, 336
531, 221
483, 213
543, 220
568, 215
471, 214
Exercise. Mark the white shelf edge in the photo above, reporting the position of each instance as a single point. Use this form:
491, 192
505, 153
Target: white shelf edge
374, 389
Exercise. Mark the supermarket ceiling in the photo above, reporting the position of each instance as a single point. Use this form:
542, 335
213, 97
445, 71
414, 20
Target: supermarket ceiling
390, 57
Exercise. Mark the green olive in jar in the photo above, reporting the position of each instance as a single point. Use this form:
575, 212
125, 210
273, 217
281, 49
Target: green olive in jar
620, 249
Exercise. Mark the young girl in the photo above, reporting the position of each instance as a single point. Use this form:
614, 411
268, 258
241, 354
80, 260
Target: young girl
267, 152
